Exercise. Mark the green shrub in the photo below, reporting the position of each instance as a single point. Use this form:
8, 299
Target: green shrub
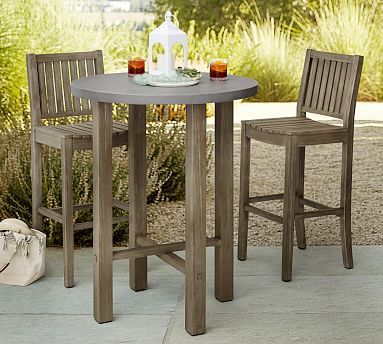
352, 27
271, 57
165, 176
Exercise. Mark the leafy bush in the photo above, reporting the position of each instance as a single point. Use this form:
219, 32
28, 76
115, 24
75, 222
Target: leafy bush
353, 27
271, 56
165, 176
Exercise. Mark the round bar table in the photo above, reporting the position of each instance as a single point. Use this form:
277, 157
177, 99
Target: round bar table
105, 89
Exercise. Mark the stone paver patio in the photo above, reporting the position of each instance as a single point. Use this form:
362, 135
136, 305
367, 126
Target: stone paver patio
324, 303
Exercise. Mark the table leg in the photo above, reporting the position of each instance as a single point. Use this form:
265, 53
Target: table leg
102, 213
224, 201
195, 265
137, 193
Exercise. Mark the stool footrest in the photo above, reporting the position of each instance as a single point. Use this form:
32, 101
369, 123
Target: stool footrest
120, 205
265, 198
264, 213
56, 214
51, 213
317, 213
157, 249
89, 224
313, 204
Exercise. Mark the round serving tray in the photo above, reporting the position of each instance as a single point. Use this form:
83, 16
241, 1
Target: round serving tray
173, 84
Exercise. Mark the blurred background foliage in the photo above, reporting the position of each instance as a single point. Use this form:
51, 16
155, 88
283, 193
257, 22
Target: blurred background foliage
265, 40
215, 14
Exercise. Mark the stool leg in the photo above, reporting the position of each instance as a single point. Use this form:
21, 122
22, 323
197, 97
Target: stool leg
300, 224
289, 202
67, 211
37, 190
244, 195
345, 202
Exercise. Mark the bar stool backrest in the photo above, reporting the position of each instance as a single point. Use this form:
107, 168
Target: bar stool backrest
330, 85
49, 78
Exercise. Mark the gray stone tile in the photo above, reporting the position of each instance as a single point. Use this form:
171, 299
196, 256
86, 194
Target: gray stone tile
84, 265
324, 303
63, 329
269, 328
313, 261
319, 294
48, 296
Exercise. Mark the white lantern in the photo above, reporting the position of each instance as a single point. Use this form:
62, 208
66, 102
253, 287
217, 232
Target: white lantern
167, 34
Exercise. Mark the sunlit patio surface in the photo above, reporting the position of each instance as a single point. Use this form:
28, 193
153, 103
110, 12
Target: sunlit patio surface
324, 303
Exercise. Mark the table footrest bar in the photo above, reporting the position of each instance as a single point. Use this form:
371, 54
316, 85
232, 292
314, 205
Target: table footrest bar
322, 212
171, 258
89, 224
157, 249
313, 204
265, 198
264, 213
51, 213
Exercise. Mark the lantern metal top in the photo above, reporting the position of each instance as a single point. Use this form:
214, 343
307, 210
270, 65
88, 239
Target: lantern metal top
167, 28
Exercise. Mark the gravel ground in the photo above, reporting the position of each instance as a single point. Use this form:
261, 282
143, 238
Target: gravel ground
167, 220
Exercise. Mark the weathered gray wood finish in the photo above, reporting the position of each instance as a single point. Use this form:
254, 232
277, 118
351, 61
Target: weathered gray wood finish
195, 264
102, 213
67, 211
244, 194
329, 87
121, 88
137, 193
49, 78
224, 200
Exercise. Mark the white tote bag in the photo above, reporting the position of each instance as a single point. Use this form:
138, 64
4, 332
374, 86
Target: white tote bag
22, 253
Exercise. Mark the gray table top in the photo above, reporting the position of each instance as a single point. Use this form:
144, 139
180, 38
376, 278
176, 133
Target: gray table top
120, 88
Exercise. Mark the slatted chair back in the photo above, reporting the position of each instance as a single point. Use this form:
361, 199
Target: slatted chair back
330, 85
49, 79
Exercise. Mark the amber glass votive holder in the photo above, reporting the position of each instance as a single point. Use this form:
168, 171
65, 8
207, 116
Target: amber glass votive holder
136, 65
218, 69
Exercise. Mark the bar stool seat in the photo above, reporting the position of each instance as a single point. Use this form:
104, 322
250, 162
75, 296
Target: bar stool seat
80, 133
293, 126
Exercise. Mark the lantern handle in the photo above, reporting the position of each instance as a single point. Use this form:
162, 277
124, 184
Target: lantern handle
168, 17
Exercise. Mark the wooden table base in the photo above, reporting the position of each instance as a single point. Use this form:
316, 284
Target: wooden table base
141, 246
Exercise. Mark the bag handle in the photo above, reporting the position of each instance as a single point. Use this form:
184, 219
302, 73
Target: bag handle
4, 267
13, 252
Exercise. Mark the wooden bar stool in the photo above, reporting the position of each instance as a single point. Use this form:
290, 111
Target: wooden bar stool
329, 87
49, 78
